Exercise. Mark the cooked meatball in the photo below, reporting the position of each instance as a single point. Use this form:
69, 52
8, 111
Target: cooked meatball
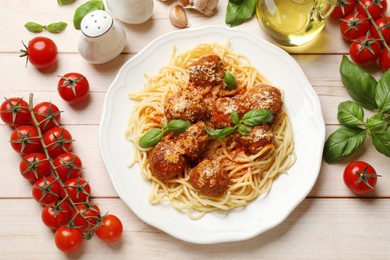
210, 178
194, 141
261, 97
207, 71
186, 105
221, 111
258, 137
166, 161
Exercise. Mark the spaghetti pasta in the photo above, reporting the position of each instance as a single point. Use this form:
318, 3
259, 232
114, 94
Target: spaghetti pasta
248, 174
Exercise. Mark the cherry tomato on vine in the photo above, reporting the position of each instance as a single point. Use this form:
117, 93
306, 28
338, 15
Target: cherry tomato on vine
364, 50
34, 166
110, 229
68, 166
56, 214
58, 140
25, 139
46, 190
73, 87
68, 239
384, 60
343, 8
15, 112
41, 52
360, 177
87, 215
375, 7
384, 25
78, 189
353, 26
48, 115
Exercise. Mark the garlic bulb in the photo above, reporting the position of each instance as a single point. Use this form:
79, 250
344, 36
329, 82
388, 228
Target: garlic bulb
178, 16
206, 7
131, 11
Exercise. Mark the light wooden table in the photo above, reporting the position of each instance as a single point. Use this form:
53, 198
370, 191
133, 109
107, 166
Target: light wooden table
331, 223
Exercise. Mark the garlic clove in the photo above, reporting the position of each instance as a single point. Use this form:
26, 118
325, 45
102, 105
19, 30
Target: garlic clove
185, 3
178, 16
199, 4
210, 7
206, 7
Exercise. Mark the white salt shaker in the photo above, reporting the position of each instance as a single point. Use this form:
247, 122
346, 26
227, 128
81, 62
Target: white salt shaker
131, 11
103, 39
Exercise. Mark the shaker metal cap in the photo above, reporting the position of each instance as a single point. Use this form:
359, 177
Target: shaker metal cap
96, 23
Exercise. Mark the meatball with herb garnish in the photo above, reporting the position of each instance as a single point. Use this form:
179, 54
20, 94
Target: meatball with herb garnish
258, 137
207, 71
221, 111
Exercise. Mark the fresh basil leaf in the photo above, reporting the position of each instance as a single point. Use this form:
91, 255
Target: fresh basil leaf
151, 137
382, 96
257, 116
350, 114
65, 2
220, 133
381, 141
84, 9
34, 27
56, 27
237, 12
178, 125
230, 80
359, 83
243, 130
376, 123
235, 117
342, 143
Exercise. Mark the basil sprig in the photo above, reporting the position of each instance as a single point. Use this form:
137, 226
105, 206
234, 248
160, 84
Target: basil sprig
252, 118
239, 11
52, 27
84, 9
153, 136
370, 94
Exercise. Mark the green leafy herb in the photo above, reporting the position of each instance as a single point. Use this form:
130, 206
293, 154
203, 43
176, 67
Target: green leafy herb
350, 114
84, 9
151, 137
34, 27
230, 80
178, 125
53, 27
382, 96
235, 117
381, 141
376, 123
257, 116
65, 2
243, 130
237, 12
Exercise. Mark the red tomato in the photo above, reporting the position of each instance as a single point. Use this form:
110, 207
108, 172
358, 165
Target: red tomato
364, 50
58, 140
48, 115
110, 229
384, 25
34, 166
360, 177
25, 139
55, 214
68, 166
41, 52
354, 26
68, 239
384, 60
73, 87
46, 190
375, 7
78, 189
15, 112
86, 215
343, 8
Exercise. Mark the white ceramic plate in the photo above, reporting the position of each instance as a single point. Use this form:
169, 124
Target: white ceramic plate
260, 215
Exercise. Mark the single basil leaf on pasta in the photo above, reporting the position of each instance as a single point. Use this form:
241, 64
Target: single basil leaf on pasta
151, 138
382, 96
235, 117
257, 116
243, 130
342, 143
178, 125
220, 133
230, 80
350, 114
381, 140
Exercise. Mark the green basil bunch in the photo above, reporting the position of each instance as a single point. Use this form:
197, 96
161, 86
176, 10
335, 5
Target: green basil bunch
252, 118
367, 93
239, 11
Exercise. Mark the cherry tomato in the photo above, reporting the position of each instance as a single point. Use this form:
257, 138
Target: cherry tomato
25, 139
384, 25
15, 112
384, 60
110, 229
360, 177
56, 214
375, 7
34, 166
68, 166
68, 239
73, 87
46, 190
87, 215
41, 52
58, 140
48, 115
354, 26
364, 50
78, 189
343, 8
